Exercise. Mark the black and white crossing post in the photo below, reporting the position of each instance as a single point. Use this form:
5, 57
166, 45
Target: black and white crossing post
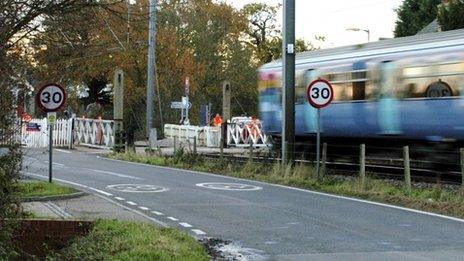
51, 98
320, 95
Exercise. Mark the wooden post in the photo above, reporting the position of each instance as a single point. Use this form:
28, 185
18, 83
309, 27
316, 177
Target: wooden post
221, 144
462, 168
407, 169
195, 145
250, 151
174, 151
362, 165
324, 159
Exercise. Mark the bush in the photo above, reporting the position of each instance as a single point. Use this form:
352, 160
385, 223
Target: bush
9, 203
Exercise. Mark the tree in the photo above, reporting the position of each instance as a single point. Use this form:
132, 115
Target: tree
264, 35
450, 16
413, 15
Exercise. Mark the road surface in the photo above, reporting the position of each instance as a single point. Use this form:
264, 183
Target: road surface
262, 221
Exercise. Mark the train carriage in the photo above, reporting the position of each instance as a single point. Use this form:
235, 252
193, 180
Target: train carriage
408, 88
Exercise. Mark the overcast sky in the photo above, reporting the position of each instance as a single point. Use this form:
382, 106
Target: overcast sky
331, 18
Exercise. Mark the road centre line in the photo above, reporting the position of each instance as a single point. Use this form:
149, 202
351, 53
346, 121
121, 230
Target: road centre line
114, 174
68, 182
296, 189
185, 224
157, 213
64, 151
199, 232
131, 203
100, 196
173, 218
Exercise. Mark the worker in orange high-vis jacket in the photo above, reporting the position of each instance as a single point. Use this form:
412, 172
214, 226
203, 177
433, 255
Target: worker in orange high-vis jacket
217, 121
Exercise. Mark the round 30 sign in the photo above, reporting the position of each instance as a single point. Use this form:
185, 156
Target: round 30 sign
319, 93
51, 97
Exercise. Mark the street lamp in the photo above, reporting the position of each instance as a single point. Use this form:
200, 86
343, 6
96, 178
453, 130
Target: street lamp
360, 29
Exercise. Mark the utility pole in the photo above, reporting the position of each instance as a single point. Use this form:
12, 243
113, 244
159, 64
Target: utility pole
151, 65
288, 79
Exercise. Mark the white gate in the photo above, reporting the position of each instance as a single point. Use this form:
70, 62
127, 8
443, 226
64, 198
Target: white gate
94, 132
243, 131
38, 138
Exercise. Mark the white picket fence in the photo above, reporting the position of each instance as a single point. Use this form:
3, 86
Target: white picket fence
62, 134
94, 132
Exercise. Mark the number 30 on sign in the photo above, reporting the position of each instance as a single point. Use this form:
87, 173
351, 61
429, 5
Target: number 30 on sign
51, 97
319, 93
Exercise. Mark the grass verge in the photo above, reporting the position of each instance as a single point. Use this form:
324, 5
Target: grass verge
120, 240
43, 189
434, 198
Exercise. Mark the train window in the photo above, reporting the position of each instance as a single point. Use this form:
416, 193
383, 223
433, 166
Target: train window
352, 85
432, 80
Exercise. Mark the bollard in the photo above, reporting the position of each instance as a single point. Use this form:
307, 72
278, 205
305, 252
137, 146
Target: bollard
324, 159
462, 168
407, 169
362, 165
195, 145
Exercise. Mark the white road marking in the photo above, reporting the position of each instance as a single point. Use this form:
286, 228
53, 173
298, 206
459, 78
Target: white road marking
137, 188
69, 182
119, 198
131, 203
143, 208
64, 151
114, 174
173, 218
157, 213
185, 224
198, 232
100, 196
296, 189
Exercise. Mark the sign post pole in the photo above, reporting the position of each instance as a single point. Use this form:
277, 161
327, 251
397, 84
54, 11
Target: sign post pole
50, 153
320, 95
50, 99
318, 143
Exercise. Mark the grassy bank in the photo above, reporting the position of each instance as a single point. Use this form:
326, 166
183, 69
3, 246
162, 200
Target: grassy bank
433, 198
43, 189
118, 240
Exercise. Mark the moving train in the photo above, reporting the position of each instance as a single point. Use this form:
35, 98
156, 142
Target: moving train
408, 88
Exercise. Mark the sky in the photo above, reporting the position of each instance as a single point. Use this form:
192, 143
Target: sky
331, 18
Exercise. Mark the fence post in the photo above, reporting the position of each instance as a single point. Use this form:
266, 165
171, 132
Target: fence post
324, 159
362, 165
462, 168
250, 152
195, 145
407, 169
175, 140
221, 143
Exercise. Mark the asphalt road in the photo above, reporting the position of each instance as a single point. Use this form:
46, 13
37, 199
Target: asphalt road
262, 221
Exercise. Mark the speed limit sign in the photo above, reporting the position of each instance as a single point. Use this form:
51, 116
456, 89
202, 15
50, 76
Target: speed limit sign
51, 97
319, 93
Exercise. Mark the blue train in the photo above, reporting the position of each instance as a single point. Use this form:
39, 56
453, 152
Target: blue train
408, 88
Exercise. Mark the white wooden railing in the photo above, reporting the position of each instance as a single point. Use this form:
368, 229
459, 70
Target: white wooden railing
94, 132
241, 132
62, 134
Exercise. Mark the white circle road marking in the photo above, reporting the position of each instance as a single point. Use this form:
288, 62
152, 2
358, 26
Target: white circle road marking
229, 186
137, 188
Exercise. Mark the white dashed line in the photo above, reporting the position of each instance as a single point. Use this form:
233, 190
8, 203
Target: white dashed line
198, 232
64, 151
157, 213
119, 198
173, 218
185, 224
131, 203
144, 208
